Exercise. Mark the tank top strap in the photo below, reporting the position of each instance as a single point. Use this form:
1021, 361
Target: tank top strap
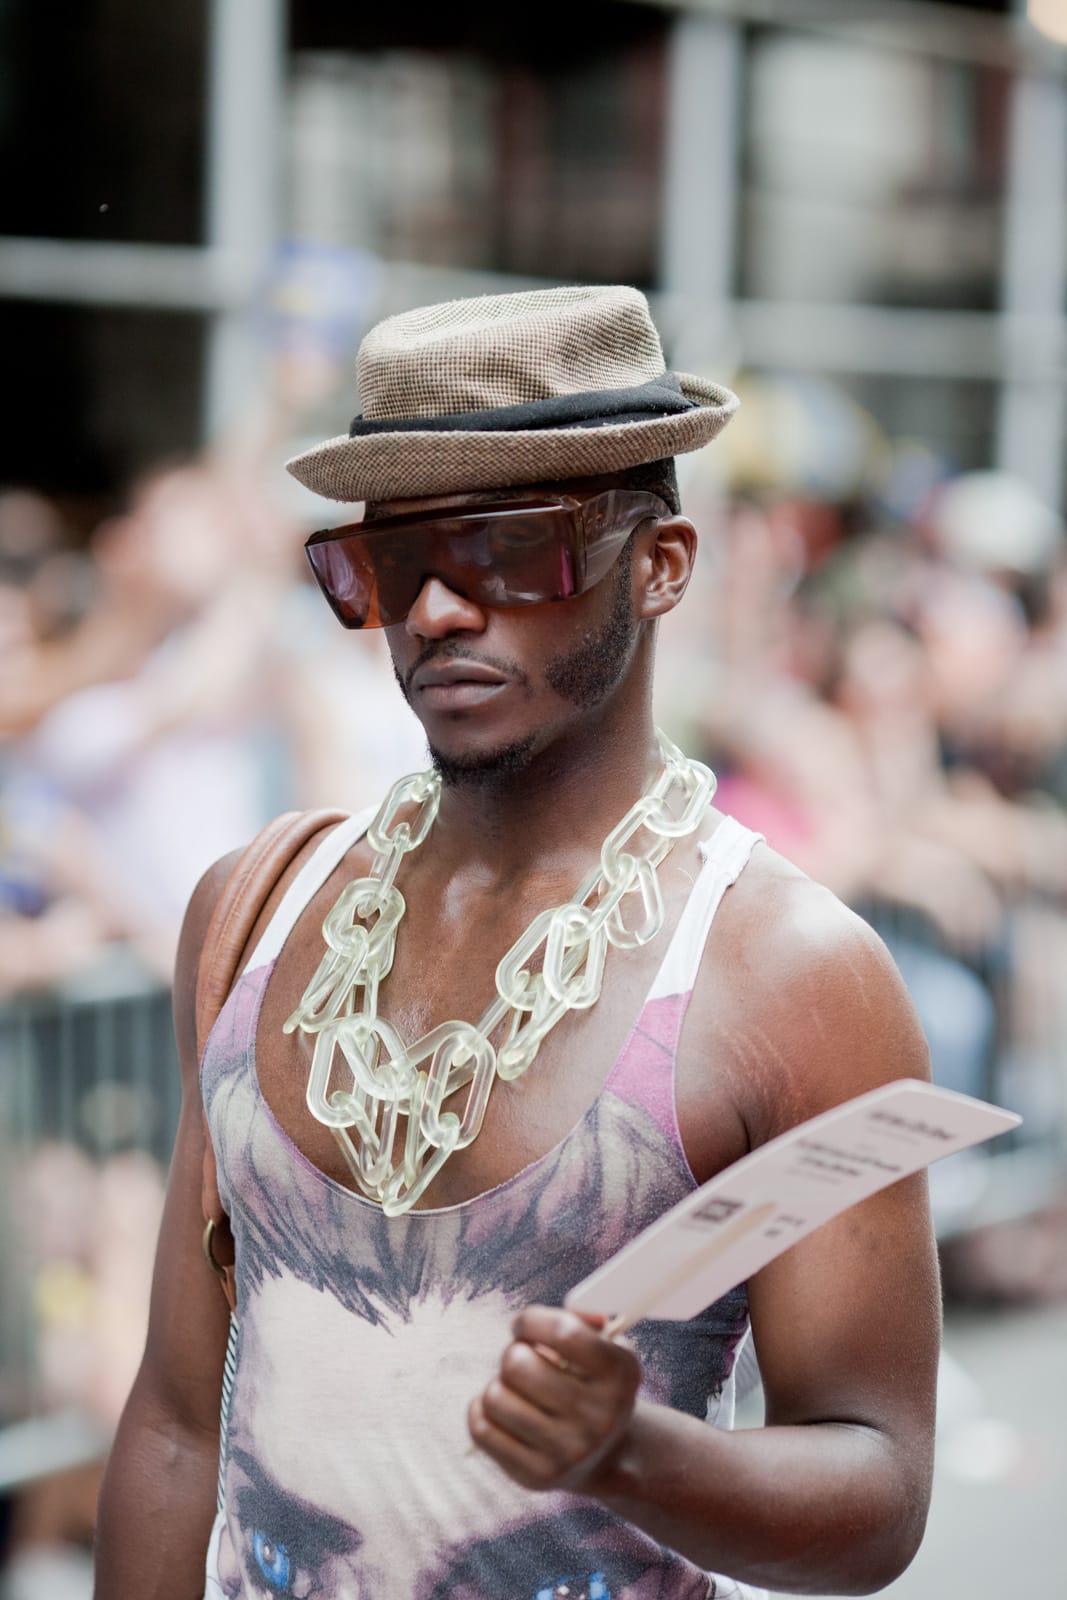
308, 881
724, 854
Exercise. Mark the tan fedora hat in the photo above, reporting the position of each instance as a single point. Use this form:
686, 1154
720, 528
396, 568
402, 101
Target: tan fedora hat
535, 387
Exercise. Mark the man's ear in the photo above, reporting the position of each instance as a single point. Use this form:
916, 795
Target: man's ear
663, 565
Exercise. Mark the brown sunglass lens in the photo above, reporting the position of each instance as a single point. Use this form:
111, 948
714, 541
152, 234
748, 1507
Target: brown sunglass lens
346, 580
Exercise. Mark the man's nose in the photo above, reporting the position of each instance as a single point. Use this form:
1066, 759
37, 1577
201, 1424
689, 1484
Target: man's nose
439, 611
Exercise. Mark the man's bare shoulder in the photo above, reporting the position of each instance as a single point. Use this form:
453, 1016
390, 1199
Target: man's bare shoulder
798, 1005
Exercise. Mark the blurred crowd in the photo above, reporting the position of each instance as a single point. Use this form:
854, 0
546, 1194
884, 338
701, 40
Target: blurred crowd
162, 693
880, 682
878, 678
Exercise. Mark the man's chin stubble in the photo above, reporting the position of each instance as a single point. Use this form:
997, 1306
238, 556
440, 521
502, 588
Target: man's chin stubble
584, 676
484, 769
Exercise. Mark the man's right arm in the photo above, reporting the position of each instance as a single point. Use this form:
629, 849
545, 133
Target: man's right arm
157, 1504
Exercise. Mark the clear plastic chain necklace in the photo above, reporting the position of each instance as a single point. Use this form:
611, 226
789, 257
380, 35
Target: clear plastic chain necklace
391, 1079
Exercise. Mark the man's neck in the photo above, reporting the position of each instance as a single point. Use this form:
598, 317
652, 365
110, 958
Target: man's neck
560, 804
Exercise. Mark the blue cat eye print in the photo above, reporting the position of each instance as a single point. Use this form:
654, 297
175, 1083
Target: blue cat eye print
272, 1560
591, 1587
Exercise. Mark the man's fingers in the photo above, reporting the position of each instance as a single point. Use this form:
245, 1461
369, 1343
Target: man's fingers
577, 1343
525, 1420
540, 1376
519, 1460
564, 1394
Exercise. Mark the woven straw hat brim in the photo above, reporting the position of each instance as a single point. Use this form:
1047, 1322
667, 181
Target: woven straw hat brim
398, 466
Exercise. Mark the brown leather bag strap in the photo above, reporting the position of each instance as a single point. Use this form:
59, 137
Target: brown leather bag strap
243, 896
242, 899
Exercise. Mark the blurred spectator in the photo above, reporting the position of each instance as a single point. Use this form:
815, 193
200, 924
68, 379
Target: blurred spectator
156, 741
49, 925
154, 729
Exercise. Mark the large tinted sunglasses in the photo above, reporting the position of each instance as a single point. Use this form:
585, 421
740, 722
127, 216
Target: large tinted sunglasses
519, 554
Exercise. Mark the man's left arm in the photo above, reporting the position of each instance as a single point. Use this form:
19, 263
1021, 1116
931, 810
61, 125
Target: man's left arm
831, 1494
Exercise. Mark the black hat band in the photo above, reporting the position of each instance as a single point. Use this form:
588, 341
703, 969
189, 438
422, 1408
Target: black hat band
661, 397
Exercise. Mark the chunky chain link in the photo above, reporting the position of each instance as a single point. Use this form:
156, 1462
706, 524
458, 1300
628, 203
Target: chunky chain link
388, 1079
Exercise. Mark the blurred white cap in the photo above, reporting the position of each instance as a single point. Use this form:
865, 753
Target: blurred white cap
996, 523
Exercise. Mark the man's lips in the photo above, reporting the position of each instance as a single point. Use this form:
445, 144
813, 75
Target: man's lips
457, 685
446, 674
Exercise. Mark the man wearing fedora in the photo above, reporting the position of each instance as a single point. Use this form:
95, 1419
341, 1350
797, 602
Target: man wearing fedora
483, 1037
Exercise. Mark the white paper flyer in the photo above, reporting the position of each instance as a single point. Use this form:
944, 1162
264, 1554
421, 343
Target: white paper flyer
748, 1214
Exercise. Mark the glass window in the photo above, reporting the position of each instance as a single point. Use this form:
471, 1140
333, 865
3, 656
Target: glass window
954, 418
493, 152
102, 120
101, 394
870, 175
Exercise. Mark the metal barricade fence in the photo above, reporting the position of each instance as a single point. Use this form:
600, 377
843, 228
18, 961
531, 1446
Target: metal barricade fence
89, 1102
